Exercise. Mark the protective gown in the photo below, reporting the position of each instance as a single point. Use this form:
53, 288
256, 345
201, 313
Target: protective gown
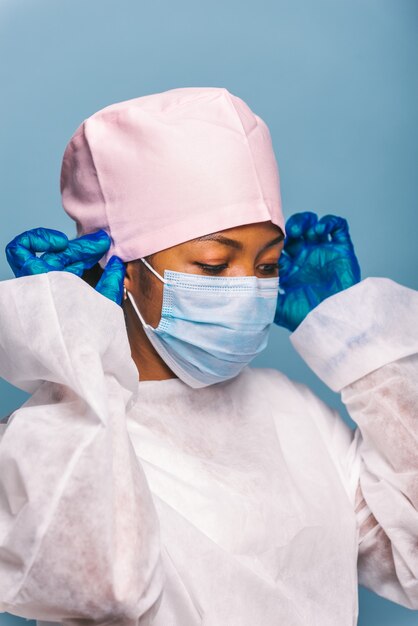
245, 503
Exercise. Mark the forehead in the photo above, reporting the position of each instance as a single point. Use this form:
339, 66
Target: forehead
244, 232
258, 234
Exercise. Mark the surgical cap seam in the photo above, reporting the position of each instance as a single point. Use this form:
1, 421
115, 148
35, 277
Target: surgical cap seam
248, 145
98, 178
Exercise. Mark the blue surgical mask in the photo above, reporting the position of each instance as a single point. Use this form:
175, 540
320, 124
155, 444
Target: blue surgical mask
211, 327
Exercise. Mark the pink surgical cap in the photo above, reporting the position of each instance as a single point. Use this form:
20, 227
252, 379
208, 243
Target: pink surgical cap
161, 169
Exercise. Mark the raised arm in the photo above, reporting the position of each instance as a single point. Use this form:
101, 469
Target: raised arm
79, 534
363, 343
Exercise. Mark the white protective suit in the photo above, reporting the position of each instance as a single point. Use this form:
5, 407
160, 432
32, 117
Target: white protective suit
246, 503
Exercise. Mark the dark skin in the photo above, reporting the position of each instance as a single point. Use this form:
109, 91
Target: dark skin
252, 250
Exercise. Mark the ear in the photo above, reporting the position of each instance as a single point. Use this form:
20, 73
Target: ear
130, 275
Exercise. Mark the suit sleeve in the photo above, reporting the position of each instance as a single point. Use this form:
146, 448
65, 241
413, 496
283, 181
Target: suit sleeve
363, 343
79, 534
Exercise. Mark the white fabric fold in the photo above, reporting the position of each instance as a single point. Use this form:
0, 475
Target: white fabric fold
358, 330
79, 535
364, 342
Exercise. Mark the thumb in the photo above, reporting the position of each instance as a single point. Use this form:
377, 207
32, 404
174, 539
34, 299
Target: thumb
283, 316
110, 283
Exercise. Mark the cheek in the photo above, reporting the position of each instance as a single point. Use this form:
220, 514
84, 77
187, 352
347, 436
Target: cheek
151, 299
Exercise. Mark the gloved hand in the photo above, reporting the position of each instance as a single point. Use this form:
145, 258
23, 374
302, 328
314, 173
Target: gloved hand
317, 261
60, 254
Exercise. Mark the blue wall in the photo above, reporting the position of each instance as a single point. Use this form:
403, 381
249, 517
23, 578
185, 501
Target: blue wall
335, 80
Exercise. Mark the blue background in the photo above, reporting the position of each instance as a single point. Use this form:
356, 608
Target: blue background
335, 81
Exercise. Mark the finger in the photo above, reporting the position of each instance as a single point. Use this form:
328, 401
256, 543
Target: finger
77, 268
66, 259
317, 234
24, 246
285, 265
89, 249
110, 283
287, 270
32, 266
294, 247
299, 223
296, 228
337, 228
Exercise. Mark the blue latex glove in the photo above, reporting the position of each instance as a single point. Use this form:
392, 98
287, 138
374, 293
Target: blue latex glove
317, 261
61, 254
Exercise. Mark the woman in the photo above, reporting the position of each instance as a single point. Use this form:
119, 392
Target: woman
209, 492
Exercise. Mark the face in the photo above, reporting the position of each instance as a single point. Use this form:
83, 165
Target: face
249, 250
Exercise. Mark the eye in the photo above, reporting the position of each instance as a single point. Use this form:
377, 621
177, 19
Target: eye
212, 269
269, 268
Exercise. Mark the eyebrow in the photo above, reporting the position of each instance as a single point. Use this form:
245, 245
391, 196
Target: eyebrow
233, 243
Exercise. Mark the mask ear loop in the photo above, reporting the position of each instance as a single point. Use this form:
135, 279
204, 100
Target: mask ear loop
153, 270
127, 294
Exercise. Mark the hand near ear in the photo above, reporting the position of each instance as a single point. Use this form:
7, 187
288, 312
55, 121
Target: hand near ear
62, 254
317, 261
